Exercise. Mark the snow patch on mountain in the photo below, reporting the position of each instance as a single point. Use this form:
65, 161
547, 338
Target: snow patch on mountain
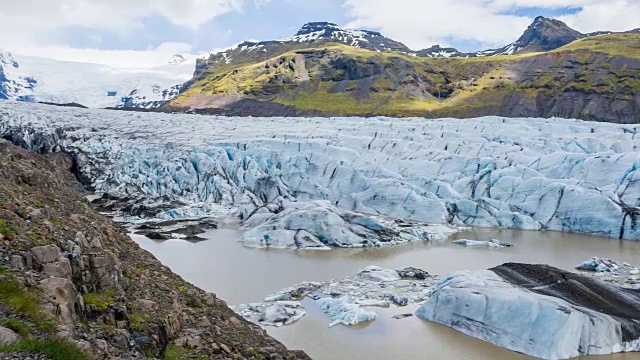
35, 79
315, 31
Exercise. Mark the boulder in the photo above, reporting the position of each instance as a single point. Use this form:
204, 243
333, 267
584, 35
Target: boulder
538, 310
17, 261
147, 304
62, 296
7, 336
45, 254
59, 269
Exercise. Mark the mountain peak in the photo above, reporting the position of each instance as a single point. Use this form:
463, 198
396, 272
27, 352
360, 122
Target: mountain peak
370, 40
541, 18
439, 51
317, 26
543, 34
7, 58
177, 59
546, 34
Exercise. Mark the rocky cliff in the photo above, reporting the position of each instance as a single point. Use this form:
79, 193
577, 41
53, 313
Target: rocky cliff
594, 78
75, 286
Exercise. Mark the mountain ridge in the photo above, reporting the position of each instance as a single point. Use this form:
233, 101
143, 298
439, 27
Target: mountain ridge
592, 78
325, 70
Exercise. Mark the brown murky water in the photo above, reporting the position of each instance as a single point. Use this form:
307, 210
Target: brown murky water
241, 275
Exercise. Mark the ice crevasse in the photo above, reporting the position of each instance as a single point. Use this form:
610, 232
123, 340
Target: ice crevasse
555, 174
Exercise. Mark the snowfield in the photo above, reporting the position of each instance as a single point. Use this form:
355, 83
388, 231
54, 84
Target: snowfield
304, 178
35, 79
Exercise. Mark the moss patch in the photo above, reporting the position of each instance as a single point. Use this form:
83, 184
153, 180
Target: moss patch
174, 352
54, 348
19, 301
100, 300
7, 229
16, 325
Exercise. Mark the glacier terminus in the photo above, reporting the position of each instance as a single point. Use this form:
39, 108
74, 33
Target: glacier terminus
361, 177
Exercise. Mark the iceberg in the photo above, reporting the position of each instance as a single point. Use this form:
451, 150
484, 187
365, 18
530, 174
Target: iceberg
366, 175
277, 314
490, 243
341, 311
376, 273
598, 265
343, 300
295, 292
538, 310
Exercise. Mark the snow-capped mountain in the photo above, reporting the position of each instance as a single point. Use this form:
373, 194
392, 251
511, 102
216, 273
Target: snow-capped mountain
364, 39
35, 79
438, 51
314, 33
177, 59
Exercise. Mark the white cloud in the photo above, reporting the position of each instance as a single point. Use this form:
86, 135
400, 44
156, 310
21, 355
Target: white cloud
421, 23
25, 22
114, 14
151, 57
614, 15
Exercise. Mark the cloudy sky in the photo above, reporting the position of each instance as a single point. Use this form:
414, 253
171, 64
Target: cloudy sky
147, 32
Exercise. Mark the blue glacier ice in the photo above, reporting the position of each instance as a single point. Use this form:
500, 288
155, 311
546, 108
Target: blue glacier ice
277, 314
354, 173
341, 311
484, 305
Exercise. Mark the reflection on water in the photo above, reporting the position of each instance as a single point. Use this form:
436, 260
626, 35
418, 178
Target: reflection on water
241, 275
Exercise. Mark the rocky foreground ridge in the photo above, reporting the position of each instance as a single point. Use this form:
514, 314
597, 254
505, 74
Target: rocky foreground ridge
74, 286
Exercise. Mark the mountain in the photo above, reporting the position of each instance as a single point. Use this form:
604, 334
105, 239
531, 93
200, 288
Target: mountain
369, 40
437, 51
551, 70
543, 35
177, 59
35, 79
311, 34
323, 69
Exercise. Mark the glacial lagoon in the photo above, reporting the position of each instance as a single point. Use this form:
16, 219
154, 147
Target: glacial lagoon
241, 275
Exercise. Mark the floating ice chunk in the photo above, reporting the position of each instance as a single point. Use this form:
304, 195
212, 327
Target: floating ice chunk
525, 308
376, 273
341, 311
294, 292
273, 314
372, 302
489, 243
598, 265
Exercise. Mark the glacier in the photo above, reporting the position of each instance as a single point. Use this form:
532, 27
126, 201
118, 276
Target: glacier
383, 173
538, 310
36, 79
